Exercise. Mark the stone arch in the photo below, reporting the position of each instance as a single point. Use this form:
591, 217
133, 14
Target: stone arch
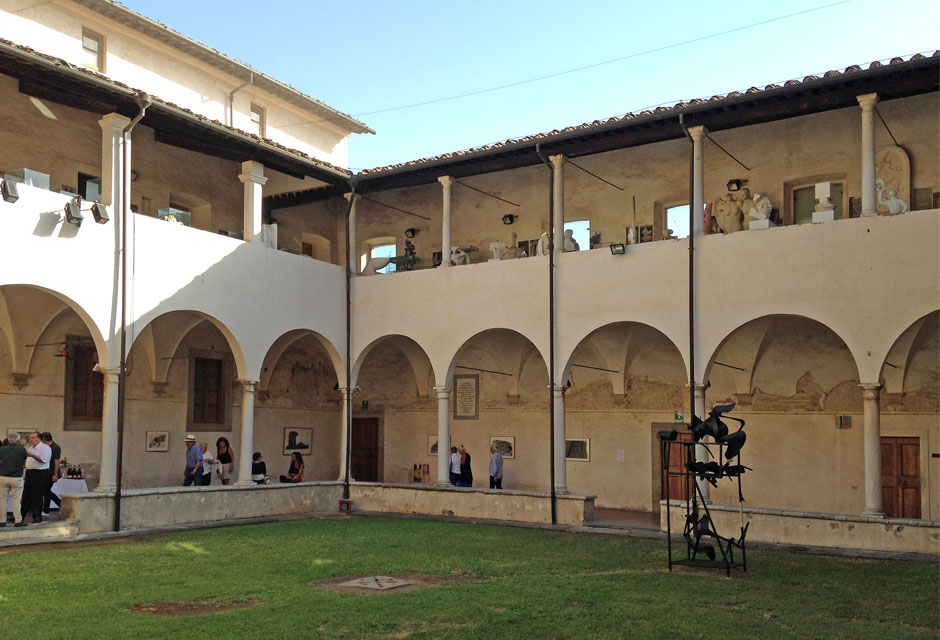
520, 353
415, 354
14, 300
284, 342
906, 368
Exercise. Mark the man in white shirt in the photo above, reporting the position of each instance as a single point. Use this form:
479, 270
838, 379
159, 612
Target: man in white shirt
38, 455
454, 466
207, 461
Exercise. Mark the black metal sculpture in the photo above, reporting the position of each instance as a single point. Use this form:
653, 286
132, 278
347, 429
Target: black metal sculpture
699, 532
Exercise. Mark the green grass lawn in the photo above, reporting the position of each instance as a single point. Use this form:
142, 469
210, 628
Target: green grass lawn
534, 584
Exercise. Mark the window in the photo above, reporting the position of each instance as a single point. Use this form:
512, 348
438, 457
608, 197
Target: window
384, 251
581, 233
93, 50
384, 247
804, 202
677, 219
208, 391
257, 120
84, 387
209, 400
89, 187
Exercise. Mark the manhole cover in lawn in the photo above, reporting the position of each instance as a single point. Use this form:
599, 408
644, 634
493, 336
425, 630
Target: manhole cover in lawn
379, 583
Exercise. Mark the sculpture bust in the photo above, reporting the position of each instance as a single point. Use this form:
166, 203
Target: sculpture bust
570, 243
728, 211
761, 207
513, 250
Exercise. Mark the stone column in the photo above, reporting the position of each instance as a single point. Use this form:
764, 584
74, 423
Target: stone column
698, 178
701, 453
344, 436
353, 239
112, 137
558, 203
247, 440
869, 203
253, 178
447, 182
107, 482
558, 408
443, 436
871, 398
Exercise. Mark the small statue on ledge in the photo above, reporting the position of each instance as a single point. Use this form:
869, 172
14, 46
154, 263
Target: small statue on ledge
894, 203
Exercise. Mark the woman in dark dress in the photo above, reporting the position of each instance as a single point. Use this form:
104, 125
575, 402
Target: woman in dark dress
296, 471
226, 458
466, 474
259, 470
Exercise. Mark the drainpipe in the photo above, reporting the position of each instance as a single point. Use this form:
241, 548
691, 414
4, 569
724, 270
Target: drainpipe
231, 99
348, 398
551, 329
143, 101
692, 213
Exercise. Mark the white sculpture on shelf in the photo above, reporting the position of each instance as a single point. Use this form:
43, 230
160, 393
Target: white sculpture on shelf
631, 235
825, 209
541, 249
374, 264
497, 248
458, 256
570, 243
894, 203
760, 207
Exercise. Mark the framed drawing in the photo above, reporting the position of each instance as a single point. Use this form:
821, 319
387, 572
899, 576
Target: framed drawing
158, 441
506, 445
432, 445
466, 396
299, 440
578, 449
24, 434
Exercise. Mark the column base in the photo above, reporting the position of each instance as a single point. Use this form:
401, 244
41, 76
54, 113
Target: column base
444, 485
870, 214
873, 513
243, 483
561, 491
102, 489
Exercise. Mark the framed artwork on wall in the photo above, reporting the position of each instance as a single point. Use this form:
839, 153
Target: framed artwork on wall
578, 449
158, 441
299, 440
506, 445
432, 445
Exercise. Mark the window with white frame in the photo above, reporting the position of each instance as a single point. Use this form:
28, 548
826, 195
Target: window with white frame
257, 120
93, 50
677, 219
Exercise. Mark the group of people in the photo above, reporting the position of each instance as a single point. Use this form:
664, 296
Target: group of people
461, 475
27, 475
200, 464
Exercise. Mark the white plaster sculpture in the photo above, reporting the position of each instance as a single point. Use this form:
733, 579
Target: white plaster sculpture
458, 256
824, 197
497, 248
667, 234
631, 235
374, 264
570, 243
513, 251
541, 249
760, 207
894, 203
892, 171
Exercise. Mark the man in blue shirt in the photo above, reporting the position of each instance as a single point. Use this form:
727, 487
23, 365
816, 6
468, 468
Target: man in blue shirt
496, 468
193, 462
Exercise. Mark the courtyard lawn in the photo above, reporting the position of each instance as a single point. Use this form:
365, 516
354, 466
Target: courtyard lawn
526, 583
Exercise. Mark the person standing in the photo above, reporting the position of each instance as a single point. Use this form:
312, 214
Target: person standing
466, 474
38, 456
226, 459
207, 461
496, 468
12, 464
193, 471
55, 473
454, 466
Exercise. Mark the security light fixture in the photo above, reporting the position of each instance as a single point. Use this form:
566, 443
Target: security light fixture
10, 194
509, 218
100, 212
411, 233
618, 249
73, 212
734, 185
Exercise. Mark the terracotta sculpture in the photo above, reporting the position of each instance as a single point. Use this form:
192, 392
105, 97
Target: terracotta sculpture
513, 250
728, 211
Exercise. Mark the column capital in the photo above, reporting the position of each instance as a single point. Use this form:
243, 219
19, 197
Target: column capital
698, 132
558, 389
699, 388
247, 385
870, 391
442, 392
113, 122
447, 181
867, 101
870, 385
252, 172
558, 160
110, 375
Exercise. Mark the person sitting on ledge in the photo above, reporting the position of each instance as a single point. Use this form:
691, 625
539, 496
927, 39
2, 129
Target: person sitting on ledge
296, 471
259, 470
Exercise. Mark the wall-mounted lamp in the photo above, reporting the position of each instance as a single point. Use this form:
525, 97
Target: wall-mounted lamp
62, 352
618, 249
134, 176
100, 212
734, 185
411, 233
10, 194
73, 212
509, 218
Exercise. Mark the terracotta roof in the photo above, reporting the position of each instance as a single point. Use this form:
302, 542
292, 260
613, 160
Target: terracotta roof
588, 126
63, 65
157, 30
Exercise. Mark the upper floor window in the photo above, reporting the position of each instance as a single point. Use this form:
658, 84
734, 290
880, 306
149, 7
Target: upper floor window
804, 202
580, 233
93, 50
677, 219
257, 120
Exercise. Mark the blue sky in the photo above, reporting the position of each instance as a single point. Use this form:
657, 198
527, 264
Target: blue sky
369, 57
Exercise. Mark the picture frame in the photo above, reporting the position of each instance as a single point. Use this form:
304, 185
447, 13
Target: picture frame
157, 442
432, 445
578, 449
298, 440
506, 445
24, 433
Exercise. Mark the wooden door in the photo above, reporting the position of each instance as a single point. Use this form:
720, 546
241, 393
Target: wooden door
365, 449
900, 477
677, 487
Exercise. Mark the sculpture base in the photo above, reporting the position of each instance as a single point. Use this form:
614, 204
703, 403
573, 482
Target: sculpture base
824, 216
761, 224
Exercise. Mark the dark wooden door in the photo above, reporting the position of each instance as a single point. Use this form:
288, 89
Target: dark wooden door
365, 449
900, 477
677, 487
